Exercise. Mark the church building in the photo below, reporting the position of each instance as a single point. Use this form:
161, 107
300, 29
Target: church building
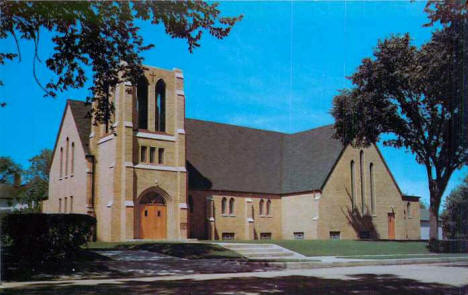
152, 173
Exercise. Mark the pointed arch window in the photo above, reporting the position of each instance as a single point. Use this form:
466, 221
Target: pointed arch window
223, 206
72, 164
361, 176
66, 156
160, 106
142, 103
268, 208
231, 206
353, 195
371, 183
261, 207
61, 162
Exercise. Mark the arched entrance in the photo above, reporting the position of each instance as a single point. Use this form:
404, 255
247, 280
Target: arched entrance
152, 216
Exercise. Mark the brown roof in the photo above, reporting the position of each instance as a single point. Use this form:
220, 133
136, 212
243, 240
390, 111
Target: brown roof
233, 158
82, 116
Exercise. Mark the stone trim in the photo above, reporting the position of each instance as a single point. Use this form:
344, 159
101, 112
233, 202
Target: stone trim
183, 206
180, 92
128, 124
115, 124
250, 220
129, 204
91, 135
181, 131
179, 75
157, 167
106, 138
109, 204
141, 134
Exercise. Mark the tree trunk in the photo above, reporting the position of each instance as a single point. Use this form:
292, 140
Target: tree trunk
433, 222
434, 211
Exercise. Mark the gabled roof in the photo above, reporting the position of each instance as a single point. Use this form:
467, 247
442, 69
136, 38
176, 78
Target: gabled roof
80, 112
82, 116
232, 158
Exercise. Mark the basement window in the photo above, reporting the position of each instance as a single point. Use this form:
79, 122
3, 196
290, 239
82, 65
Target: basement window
228, 236
265, 236
299, 235
364, 235
335, 235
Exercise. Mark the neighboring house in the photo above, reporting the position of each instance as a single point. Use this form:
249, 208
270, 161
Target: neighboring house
151, 173
425, 225
8, 199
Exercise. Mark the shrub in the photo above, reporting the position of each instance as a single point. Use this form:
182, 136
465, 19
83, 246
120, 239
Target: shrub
448, 246
38, 238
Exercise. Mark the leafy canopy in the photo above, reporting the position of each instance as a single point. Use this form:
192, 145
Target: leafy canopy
103, 36
415, 94
455, 214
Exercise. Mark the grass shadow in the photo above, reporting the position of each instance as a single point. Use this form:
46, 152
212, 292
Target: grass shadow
357, 284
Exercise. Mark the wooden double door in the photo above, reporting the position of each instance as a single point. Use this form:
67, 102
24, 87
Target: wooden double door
153, 221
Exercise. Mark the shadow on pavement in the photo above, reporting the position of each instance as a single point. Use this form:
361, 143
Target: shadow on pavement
368, 284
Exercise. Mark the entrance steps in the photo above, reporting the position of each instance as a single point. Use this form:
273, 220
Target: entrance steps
262, 251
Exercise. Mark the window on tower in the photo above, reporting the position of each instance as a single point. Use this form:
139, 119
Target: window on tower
160, 109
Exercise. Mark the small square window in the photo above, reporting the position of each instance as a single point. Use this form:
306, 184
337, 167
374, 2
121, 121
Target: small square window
228, 236
143, 154
152, 154
299, 235
161, 156
334, 235
265, 236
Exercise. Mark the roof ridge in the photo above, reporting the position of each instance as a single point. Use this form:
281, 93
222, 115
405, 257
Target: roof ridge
258, 129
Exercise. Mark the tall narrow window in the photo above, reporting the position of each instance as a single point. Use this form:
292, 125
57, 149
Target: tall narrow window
160, 116
65, 205
190, 203
152, 154
61, 162
408, 209
223, 206
72, 158
261, 204
353, 195
231, 206
371, 183
361, 176
268, 208
66, 156
60, 205
142, 103
143, 154
161, 156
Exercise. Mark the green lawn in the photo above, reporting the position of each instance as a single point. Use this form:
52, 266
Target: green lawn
348, 247
177, 249
408, 256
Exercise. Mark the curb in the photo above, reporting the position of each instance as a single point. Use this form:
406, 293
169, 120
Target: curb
311, 265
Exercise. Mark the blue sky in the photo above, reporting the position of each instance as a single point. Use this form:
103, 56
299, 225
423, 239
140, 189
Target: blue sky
278, 70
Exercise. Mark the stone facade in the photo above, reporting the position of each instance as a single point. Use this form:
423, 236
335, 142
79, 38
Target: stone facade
138, 159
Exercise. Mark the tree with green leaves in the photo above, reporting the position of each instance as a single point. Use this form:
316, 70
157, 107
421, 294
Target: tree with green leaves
10, 172
36, 186
103, 36
416, 96
455, 214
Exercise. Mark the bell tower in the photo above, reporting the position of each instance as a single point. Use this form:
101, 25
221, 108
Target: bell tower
148, 155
